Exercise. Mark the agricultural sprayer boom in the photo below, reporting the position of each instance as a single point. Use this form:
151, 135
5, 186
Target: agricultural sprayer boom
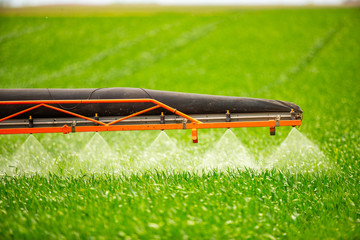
124, 109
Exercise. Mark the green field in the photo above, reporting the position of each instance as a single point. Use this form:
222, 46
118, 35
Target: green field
308, 56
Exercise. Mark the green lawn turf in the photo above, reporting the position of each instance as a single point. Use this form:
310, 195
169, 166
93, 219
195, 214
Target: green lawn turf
307, 56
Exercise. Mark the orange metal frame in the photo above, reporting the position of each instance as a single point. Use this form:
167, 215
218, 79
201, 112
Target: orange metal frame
101, 126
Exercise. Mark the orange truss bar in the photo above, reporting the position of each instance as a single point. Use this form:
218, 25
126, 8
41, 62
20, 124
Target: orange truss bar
21, 112
175, 111
133, 115
74, 114
141, 100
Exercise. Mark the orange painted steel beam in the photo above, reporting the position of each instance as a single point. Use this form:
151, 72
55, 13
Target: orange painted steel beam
65, 129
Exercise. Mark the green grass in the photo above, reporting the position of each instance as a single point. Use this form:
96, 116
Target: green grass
232, 205
307, 56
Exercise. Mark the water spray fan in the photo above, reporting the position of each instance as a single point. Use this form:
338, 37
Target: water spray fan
24, 111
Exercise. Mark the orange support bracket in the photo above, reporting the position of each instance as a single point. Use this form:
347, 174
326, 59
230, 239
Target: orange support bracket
194, 135
272, 131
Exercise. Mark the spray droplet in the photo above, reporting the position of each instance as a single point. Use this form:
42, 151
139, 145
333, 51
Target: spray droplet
31, 158
162, 154
228, 153
97, 156
298, 154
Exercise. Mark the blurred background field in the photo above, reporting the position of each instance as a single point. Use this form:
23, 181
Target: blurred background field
309, 56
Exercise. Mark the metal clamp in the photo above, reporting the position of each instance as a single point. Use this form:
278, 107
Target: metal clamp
277, 120
184, 123
73, 124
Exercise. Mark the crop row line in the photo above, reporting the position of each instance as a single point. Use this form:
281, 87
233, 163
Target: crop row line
314, 51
